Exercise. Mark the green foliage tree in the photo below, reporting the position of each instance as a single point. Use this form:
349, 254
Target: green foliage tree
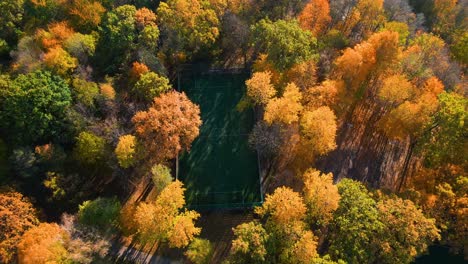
33, 108
101, 213
189, 26
10, 23
90, 149
199, 251
161, 176
121, 37
355, 224
407, 232
149, 86
85, 92
81, 46
285, 43
446, 141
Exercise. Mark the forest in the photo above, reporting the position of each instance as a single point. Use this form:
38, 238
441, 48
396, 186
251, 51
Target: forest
359, 131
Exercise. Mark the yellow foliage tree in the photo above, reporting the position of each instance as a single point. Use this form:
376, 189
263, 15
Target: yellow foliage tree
164, 221
396, 89
304, 250
412, 116
285, 109
60, 61
126, 150
283, 207
321, 196
259, 88
318, 129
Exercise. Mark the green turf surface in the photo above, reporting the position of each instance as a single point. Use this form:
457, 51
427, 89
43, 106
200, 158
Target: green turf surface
220, 171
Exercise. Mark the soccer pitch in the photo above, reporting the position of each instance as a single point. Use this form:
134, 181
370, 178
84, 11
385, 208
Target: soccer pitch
220, 171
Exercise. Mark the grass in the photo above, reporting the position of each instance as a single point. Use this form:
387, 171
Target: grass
221, 170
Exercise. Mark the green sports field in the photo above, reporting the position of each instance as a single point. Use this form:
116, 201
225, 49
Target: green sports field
221, 171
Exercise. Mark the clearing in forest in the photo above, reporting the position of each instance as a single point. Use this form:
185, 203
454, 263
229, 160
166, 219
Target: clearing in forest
221, 170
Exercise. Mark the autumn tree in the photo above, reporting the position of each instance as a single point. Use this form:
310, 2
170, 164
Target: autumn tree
324, 94
33, 107
445, 15
199, 251
137, 70
407, 232
283, 207
81, 46
445, 141
122, 38
168, 126
357, 18
10, 24
315, 16
17, 215
284, 211
126, 151
189, 26
164, 220
412, 116
84, 92
161, 176
449, 208
90, 148
284, 109
284, 42
355, 224
101, 213
145, 17
397, 89
359, 65
149, 86
86, 14
259, 88
43, 244
318, 129
321, 197
59, 61
401, 28
249, 245
107, 91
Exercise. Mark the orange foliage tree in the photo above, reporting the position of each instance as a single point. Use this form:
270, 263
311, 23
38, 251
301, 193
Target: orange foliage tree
168, 126
145, 17
60, 61
17, 215
86, 13
137, 70
315, 16
43, 244
413, 115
